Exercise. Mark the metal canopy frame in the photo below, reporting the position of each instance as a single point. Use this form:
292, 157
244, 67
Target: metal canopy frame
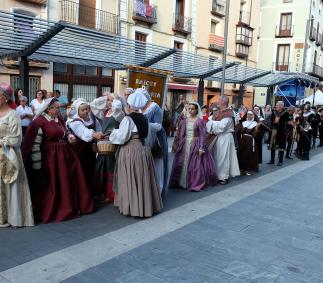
27, 37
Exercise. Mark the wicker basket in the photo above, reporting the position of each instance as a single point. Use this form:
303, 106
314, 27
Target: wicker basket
106, 147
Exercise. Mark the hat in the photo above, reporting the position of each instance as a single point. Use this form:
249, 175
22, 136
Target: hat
137, 100
77, 103
117, 112
99, 106
24, 98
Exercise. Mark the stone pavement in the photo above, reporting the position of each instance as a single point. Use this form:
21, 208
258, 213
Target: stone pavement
263, 228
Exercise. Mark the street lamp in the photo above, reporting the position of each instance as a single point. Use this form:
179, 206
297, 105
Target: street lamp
226, 26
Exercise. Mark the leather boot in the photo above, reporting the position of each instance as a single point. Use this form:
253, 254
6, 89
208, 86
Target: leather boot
272, 157
280, 158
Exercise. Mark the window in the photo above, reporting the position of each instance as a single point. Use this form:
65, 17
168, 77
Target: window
106, 72
285, 28
88, 92
91, 70
60, 68
178, 45
282, 57
78, 70
244, 35
141, 36
140, 47
85, 70
213, 26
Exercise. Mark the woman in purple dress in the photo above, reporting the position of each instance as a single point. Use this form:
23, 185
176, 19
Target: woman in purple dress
193, 166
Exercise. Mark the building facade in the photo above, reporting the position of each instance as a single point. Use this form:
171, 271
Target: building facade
290, 40
242, 40
72, 80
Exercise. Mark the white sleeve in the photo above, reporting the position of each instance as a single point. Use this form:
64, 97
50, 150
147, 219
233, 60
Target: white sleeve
81, 131
123, 134
218, 127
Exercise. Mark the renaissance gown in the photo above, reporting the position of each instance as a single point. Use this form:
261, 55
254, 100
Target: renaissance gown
65, 194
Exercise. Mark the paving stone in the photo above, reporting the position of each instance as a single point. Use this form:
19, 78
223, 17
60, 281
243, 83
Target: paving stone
139, 276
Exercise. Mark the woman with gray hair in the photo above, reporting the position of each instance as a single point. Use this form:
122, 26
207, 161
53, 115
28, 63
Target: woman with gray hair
15, 204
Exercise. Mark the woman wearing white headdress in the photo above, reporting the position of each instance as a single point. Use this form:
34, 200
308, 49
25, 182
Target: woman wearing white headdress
86, 129
193, 166
135, 184
157, 140
111, 115
247, 132
60, 190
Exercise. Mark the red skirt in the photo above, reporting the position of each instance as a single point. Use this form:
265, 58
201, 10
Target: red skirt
66, 194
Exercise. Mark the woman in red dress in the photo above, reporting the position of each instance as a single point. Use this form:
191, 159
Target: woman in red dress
59, 188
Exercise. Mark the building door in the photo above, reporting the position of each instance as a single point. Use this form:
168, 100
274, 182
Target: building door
282, 58
285, 28
87, 13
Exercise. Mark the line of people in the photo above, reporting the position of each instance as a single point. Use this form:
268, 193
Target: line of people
115, 150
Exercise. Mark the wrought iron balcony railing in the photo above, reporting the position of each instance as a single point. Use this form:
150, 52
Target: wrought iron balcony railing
76, 14
216, 42
284, 31
144, 12
182, 24
281, 66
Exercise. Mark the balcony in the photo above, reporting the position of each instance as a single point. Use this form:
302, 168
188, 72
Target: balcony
242, 51
244, 35
284, 31
318, 39
317, 71
144, 13
244, 18
85, 16
216, 43
218, 8
281, 66
39, 2
182, 24
312, 35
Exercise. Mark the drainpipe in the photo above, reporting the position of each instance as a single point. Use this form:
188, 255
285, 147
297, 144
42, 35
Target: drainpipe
306, 38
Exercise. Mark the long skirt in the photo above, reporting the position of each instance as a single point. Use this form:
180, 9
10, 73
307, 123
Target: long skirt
135, 184
103, 175
66, 194
15, 204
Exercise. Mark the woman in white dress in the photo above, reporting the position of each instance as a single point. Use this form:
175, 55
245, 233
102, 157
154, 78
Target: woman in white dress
15, 203
39, 101
135, 184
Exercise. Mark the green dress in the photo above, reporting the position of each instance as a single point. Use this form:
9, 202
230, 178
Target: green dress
104, 165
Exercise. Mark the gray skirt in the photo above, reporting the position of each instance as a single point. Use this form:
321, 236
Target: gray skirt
135, 183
